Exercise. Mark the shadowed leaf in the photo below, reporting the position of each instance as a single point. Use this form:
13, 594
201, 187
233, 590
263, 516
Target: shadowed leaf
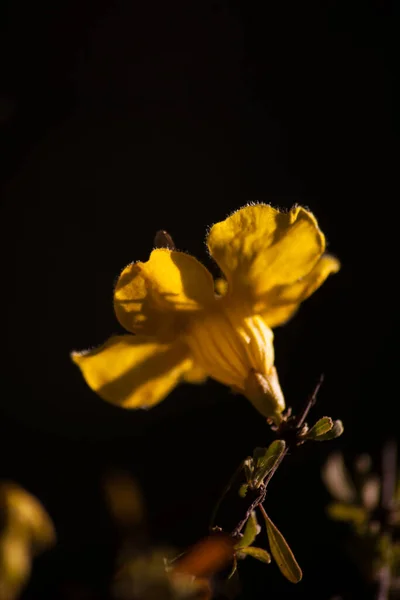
250, 533
334, 433
258, 553
234, 567
265, 459
243, 490
281, 552
321, 427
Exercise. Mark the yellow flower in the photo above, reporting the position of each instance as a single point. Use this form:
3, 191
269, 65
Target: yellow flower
185, 331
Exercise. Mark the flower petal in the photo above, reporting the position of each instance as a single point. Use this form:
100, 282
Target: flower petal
258, 247
196, 374
154, 297
133, 371
283, 301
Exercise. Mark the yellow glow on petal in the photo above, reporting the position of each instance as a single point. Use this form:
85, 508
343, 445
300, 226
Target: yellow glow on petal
237, 350
283, 301
258, 247
152, 298
258, 342
226, 345
195, 375
133, 371
217, 349
264, 392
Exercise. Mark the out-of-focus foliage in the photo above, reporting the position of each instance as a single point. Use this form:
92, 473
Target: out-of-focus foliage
356, 498
148, 572
375, 523
25, 530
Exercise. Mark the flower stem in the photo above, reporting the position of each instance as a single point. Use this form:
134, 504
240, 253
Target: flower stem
294, 426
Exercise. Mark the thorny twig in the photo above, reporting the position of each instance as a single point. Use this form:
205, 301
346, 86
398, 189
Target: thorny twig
289, 430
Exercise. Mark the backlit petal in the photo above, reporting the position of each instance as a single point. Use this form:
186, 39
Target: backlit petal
259, 247
154, 297
196, 374
133, 371
283, 301
227, 345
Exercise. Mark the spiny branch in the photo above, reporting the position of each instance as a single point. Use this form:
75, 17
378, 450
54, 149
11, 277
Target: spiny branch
289, 430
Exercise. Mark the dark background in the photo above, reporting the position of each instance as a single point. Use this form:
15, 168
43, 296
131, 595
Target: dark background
121, 118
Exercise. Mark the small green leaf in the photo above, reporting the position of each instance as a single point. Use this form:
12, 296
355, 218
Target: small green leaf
281, 552
258, 455
335, 432
350, 513
258, 553
234, 567
248, 466
321, 427
243, 490
250, 533
265, 460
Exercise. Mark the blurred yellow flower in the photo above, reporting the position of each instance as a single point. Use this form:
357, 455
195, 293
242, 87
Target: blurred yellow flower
187, 328
25, 530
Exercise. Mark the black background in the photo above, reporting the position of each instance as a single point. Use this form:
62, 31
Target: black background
121, 118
